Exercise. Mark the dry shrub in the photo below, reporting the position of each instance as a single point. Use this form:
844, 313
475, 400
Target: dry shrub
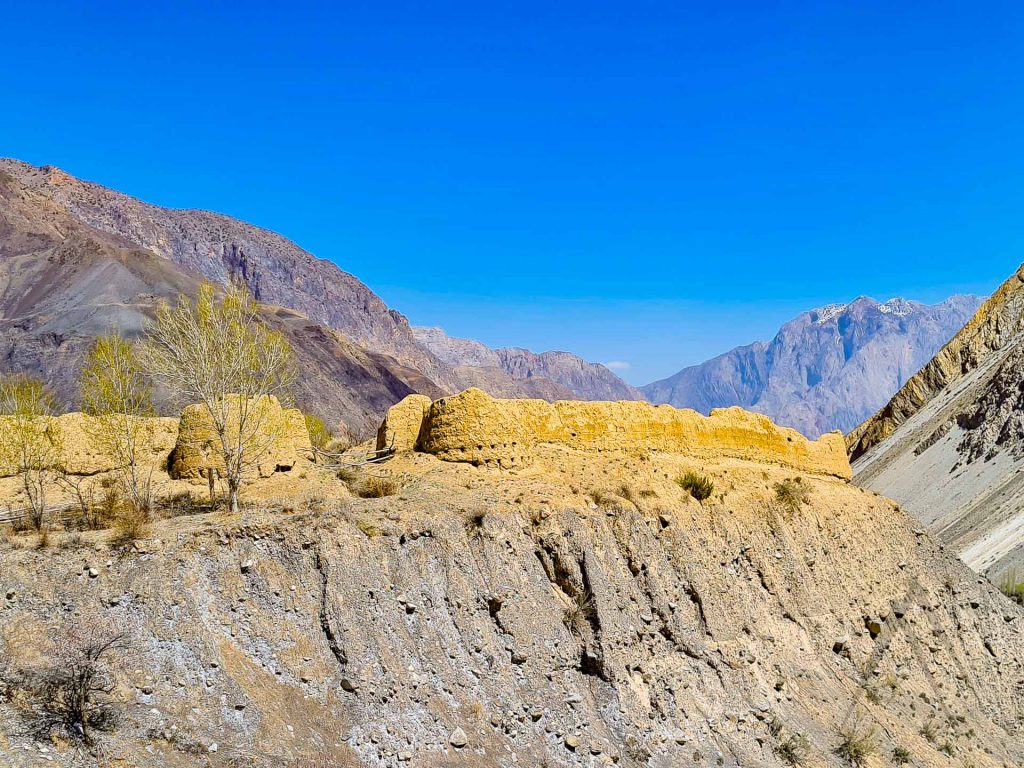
183, 503
71, 693
130, 525
373, 487
792, 494
857, 742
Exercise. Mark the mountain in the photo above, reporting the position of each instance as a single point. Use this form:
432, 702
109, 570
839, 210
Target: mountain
547, 375
64, 282
80, 260
949, 445
829, 368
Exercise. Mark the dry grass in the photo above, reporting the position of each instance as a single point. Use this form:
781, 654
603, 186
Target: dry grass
374, 487
792, 494
129, 526
856, 743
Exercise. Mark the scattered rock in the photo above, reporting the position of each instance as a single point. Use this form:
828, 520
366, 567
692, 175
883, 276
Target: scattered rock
458, 738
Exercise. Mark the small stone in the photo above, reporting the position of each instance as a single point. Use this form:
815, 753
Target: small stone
348, 685
212, 748
93, 573
247, 566
458, 738
841, 643
404, 756
572, 741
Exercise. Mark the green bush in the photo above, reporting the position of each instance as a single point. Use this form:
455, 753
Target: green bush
698, 486
900, 756
319, 435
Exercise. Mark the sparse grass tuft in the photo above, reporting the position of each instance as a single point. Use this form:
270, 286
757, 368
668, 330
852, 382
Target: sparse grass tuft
928, 731
792, 494
130, 525
698, 486
373, 487
579, 611
856, 744
900, 755
348, 475
793, 749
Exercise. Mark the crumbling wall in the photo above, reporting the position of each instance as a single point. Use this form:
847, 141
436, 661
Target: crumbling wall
82, 446
400, 429
283, 442
477, 428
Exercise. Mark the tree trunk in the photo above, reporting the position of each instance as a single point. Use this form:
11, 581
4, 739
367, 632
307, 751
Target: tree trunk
233, 485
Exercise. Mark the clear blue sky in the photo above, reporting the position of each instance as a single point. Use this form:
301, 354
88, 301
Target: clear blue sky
645, 182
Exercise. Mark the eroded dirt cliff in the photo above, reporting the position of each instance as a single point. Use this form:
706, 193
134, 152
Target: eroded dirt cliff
582, 611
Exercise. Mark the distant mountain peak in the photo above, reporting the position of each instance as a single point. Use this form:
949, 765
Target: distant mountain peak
898, 307
829, 368
826, 313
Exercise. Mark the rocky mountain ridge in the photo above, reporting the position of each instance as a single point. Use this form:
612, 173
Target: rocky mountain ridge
828, 368
572, 376
949, 445
63, 282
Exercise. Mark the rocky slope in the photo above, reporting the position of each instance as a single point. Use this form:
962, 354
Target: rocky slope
547, 375
279, 273
63, 282
585, 611
949, 445
826, 369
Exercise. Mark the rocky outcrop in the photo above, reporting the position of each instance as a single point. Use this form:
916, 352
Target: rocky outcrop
829, 368
278, 441
479, 429
996, 322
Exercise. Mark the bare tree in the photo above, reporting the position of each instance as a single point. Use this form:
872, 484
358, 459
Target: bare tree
117, 393
30, 442
217, 352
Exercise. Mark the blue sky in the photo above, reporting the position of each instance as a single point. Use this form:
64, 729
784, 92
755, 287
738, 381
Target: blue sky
643, 182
